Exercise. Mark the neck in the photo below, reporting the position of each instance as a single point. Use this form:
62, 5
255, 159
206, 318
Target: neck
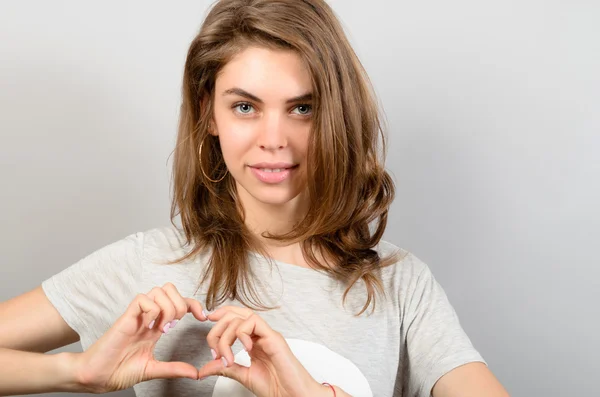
277, 219
271, 218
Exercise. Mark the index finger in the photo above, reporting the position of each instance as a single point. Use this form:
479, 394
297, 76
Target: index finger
183, 305
195, 308
220, 312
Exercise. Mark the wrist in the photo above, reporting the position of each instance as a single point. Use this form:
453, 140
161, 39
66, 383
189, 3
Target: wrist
68, 366
324, 390
329, 390
78, 379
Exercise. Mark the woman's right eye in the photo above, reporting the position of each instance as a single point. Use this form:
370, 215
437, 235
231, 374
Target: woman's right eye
243, 108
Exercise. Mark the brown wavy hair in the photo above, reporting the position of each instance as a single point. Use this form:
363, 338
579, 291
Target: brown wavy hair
348, 190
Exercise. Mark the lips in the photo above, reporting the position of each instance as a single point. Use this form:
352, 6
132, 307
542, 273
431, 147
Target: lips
273, 166
273, 173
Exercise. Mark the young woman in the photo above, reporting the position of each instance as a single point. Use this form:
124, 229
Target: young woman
283, 198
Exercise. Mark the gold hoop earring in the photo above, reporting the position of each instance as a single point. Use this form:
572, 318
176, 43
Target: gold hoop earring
202, 169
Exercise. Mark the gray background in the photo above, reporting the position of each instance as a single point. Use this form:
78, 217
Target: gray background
494, 127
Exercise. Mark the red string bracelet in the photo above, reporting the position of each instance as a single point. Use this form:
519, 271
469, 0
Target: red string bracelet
332, 388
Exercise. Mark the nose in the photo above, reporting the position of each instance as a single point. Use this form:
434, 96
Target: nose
272, 135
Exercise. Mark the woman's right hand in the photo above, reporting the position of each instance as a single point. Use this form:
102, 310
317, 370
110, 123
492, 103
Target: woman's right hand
124, 355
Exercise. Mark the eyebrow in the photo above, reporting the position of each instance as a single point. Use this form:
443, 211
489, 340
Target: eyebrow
238, 91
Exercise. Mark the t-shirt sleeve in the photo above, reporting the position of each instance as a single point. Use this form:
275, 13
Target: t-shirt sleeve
94, 292
435, 341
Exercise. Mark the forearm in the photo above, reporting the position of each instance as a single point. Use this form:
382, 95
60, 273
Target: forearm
32, 373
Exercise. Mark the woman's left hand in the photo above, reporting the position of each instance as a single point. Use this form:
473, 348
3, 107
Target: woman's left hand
274, 370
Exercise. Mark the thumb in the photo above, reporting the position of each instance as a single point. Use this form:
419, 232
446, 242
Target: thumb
170, 370
235, 371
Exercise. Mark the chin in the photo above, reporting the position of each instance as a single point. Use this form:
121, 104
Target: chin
275, 197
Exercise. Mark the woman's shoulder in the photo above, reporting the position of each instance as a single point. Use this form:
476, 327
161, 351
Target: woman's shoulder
164, 243
405, 264
161, 236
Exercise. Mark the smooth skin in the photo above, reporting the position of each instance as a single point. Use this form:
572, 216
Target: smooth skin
263, 113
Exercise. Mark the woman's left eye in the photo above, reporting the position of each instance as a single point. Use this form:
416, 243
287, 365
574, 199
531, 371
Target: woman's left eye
304, 110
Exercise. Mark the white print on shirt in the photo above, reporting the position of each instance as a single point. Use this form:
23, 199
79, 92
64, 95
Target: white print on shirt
323, 364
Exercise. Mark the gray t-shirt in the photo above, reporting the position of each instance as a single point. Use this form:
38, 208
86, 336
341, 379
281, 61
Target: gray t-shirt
411, 340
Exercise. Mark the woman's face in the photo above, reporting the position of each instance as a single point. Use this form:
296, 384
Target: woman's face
263, 116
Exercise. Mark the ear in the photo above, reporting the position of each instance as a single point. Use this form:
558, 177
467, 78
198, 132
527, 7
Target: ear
212, 125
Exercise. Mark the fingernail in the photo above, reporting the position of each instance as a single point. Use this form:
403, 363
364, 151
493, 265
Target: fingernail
214, 354
173, 323
224, 361
202, 378
151, 324
206, 314
166, 328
